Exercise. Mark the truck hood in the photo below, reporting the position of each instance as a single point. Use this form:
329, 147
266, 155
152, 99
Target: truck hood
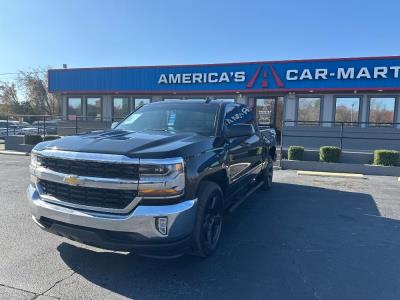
144, 144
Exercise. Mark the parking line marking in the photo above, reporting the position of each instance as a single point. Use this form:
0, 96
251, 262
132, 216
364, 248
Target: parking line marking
331, 174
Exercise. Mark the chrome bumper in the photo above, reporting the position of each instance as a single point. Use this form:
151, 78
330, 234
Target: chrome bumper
142, 220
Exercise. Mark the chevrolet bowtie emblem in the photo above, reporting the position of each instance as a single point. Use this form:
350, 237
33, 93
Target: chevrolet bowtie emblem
72, 180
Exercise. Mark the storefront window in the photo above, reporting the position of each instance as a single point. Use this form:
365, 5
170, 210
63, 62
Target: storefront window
347, 110
93, 108
120, 107
265, 111
74, 107
309, 109
381, 111
141, 101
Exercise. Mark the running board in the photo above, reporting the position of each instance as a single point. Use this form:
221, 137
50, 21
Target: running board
244, 198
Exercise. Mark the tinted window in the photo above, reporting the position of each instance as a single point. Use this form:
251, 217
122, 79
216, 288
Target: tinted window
237, 114
176, 117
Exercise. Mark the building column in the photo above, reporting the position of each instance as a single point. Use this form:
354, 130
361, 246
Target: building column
327, 110
289, 110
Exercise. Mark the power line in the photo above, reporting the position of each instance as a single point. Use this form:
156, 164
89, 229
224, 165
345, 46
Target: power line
16, 73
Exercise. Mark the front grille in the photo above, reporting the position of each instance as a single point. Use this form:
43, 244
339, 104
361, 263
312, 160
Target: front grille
91, 168
105, 198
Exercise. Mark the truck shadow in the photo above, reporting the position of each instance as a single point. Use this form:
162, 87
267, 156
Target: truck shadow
293, 242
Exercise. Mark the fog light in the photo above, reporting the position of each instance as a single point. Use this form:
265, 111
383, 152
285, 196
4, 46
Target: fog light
162, 225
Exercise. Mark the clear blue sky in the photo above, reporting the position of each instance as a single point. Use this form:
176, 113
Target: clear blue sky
106, 33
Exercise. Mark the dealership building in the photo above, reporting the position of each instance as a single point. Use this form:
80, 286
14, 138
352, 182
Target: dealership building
355, 98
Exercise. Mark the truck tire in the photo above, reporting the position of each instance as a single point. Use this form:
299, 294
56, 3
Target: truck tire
268, 176
209, 219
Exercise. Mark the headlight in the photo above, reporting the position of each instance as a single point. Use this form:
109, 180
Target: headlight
159, 169
161, 178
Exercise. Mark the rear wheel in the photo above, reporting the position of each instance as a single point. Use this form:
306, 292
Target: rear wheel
268, 175
209, 220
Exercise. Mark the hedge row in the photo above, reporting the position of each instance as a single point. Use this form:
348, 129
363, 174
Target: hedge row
296, 153
387, 157
332, 154
329, 154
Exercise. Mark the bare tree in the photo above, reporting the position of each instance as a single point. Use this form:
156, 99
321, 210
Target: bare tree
34, 87
9, 98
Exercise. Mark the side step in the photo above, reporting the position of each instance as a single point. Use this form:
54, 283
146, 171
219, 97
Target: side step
244, 198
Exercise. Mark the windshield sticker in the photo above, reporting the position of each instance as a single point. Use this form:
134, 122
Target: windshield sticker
171, 118
238, 116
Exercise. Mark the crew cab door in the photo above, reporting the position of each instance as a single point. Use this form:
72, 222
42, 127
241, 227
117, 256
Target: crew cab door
244, 155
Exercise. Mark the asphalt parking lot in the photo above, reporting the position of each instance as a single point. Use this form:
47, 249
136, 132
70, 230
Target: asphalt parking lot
307, 238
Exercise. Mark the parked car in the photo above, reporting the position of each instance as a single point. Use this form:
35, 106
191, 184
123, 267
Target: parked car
50, 126
158, 184
14, 127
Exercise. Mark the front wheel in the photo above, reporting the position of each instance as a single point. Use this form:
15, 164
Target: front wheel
268, 174
209, 220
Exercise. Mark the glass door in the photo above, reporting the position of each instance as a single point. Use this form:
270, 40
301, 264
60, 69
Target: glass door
265, 111
269, 113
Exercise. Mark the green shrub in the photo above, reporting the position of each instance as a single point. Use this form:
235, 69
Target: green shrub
50, 137
32, 139
329, 154
296, 153
386, 157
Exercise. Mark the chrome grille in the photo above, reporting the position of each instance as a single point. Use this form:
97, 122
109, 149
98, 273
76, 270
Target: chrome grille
105, 198
91, 168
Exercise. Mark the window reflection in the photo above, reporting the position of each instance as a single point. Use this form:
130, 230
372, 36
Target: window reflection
93, 108
120, 107
309, 110
381, 111
347, 110
74, 107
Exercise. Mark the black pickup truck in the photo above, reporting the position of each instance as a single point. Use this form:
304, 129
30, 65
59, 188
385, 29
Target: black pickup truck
158, 183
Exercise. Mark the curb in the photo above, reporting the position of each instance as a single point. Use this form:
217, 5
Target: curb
318, 166
330, 174
7, 152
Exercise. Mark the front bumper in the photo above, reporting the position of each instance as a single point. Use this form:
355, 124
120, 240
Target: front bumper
135, 231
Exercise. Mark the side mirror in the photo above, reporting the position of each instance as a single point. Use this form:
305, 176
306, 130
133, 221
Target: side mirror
114, 124
238, 130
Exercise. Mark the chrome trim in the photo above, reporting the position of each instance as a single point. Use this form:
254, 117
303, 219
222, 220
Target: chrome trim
181, 217
97, 157
161, 161
85, 181
135, 201
255, 170
125, 210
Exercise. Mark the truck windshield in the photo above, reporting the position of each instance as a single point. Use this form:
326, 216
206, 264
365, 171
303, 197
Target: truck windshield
177, 117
